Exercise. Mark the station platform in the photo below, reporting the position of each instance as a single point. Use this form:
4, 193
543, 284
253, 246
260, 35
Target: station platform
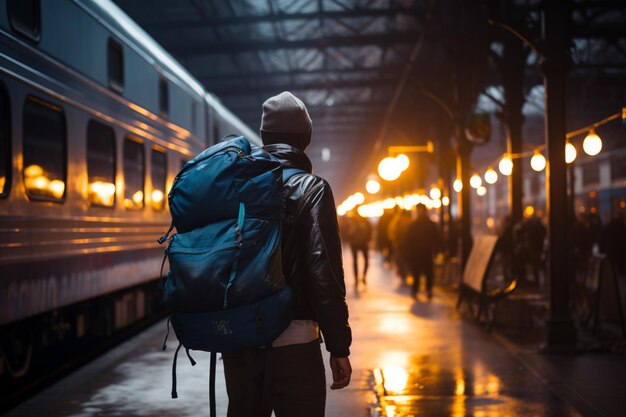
411, 357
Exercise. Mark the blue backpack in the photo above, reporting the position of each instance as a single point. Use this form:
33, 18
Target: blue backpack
225, 283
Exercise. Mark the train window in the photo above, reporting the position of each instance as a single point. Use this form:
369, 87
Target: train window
45, 144
164, 100
159, 174
25, 17
133, 174
5, 142
101, 164
115, 58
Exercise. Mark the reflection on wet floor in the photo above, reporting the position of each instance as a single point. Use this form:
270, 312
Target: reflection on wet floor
425, 360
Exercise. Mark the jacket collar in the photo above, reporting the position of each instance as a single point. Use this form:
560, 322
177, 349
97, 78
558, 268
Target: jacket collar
289, 156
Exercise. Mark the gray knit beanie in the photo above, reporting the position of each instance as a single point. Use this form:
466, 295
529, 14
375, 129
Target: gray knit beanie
286, 120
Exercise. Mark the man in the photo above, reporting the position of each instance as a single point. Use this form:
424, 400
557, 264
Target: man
359, 236
422, 242
311, 251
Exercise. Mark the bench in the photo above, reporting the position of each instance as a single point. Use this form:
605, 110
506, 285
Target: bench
475, 286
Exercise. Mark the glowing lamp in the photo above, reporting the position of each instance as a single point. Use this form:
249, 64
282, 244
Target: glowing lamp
457, 185
570, 153
481, 191
475, 181
403, 162
529, 211
389, 203
538, 161
388, 169
491, 176
505, 166
359, 198
435, 193
592, 145
372, 186
445, 201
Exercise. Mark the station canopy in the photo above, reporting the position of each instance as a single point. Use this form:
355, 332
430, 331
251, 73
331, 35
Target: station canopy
372, 72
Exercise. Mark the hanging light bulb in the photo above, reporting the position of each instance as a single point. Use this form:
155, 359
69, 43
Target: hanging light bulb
570, 153
538, 161
481, 191
505, 165
445, 201
592, 145
475, 181
435, 193
372, 186
457, 185
403, 162
388, 169
491, 176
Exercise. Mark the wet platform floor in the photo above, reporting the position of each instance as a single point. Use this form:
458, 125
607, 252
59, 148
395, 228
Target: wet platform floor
410, 358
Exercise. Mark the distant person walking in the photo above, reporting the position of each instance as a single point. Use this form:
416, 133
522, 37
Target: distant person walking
422, 242
397, 231
359, 236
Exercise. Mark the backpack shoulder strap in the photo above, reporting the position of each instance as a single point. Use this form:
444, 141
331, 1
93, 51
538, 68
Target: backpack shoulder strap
290, 172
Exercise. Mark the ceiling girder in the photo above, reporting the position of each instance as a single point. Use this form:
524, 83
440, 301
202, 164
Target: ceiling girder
405, 37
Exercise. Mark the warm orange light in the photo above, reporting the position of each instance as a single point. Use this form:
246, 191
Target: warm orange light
475, 181
32, 171
506, 165
403, 162
101, 192
445, 201
57, 188
389, 169
3, 180
538, 161
458, 185
529, 211
435, 193
491, 176
372, 186
570, 153
592, 145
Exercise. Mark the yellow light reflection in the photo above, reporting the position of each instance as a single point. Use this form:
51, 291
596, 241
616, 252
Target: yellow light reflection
57, 188
102, 193
396, 379
32, 171
3, 180
157, 199
138, 197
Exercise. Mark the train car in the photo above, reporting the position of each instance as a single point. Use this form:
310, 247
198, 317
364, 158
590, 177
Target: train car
96, 119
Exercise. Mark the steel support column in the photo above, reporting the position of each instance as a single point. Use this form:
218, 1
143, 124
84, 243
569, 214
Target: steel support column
556, 16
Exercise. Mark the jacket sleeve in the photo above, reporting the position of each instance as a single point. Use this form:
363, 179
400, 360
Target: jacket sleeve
325, 286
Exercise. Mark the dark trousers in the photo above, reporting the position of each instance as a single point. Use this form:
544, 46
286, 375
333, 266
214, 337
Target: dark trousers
355, 261
297, 383
419, 268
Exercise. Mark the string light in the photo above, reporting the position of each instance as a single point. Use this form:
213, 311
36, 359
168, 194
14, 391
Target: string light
538, 161
457, 185
592, 145
505, 165
475, 181
481, 191
372, 186
491, 176
435, 193
403, 162
570, 153
389, 169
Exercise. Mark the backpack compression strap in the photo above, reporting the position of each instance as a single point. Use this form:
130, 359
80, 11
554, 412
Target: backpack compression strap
238, 239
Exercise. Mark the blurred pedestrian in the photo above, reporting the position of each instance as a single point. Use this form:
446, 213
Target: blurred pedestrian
422, 242
382, 237
359, 236
397, 232
613, 241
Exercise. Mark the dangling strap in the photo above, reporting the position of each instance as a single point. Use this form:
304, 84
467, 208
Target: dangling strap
166, 335
212, 385
238, 239
166, 235
174, 393
193, 363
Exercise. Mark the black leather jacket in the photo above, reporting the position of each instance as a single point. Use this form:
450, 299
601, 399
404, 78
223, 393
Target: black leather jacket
311, 251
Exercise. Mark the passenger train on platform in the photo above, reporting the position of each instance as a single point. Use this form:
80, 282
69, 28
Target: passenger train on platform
96, 119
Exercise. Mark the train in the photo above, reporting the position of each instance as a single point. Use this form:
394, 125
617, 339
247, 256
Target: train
96, 120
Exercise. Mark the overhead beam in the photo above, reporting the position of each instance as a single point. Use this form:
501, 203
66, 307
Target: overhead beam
262, 76
281, 17
394, 38
316, 85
